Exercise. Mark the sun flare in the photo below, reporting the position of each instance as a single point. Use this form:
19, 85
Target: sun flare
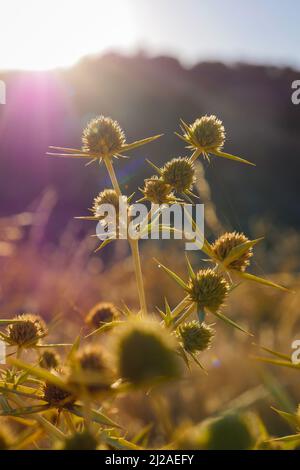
56, 33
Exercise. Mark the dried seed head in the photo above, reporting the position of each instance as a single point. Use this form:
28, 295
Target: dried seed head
158, 191
146, 352
208, 290
108, 196
179, 173
57, 396
101, 313
49, 359
89, 370
28, 332
206, 133
103, 137
5, 436
80, 441
224, 244
195, 337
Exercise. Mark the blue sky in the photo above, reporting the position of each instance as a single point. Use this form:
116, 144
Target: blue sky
256, 30
44, 34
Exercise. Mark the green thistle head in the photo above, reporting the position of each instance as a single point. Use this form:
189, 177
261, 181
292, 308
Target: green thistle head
101, 313
146, 352
157, 191
232, 431
103, 137
27, 332
195, 337
179, 173
206, 134
79, 441
108, 196
208, 290
49, 359
224, 244
91, 368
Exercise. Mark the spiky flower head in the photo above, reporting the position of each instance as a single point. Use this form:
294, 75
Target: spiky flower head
89, 371
49, 359
5, 436
103, 137
101, 313
57, 396
80, 441
179, 173
157, 191
108, 196
146, 352
195, 337
206, 134
208, 290
223, 246
27, 332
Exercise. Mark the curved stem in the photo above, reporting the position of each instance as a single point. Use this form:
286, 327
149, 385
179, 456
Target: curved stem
134, 244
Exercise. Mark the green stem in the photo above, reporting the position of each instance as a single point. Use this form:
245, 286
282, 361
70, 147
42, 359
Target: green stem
134, 244
184, 316
195, 155
180, 307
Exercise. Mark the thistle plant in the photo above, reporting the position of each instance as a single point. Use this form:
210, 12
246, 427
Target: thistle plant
206, 136
71, 396
103, 139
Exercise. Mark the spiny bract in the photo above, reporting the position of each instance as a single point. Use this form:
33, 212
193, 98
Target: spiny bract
103, 137
206, 133
179, 173
195, 337
157, 191
108, 196
27, 332
208, 290
223, 246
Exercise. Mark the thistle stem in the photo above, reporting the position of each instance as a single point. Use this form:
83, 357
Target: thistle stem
112, 175
70, 422
180, 307
195, 155
134, 244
